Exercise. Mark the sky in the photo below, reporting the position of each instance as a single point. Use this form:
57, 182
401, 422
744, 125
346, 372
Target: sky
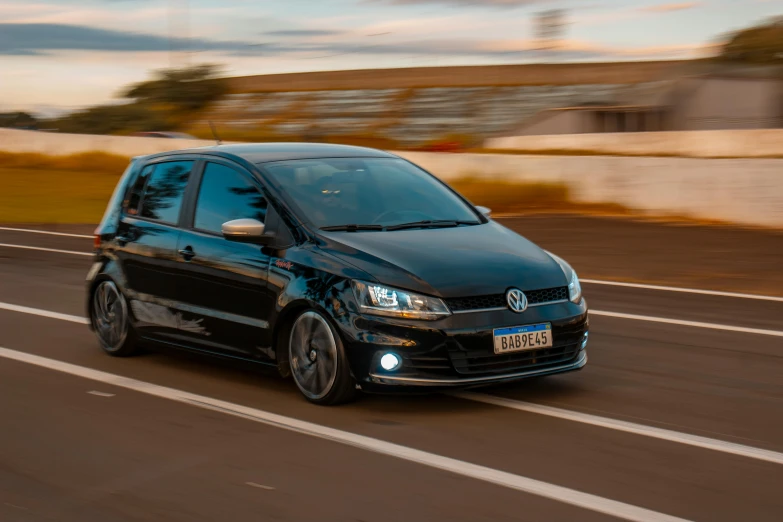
66, 54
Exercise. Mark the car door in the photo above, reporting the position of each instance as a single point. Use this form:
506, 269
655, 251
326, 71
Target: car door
146, 242
222, 287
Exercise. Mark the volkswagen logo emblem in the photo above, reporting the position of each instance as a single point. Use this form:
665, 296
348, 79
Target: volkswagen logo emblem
517, 302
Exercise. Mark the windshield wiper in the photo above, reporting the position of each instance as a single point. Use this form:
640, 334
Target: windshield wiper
440, 223
351, 228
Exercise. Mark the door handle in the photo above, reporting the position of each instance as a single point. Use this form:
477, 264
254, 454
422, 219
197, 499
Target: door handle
187, 253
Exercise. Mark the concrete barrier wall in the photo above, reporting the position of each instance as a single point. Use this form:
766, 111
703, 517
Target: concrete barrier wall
64, 144
741, 191
696, 144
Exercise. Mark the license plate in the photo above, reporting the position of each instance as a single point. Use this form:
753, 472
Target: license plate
520, 338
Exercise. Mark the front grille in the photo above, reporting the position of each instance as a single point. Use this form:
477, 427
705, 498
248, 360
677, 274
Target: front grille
427, 363
473, 355
461, 304
464, 304
547, 295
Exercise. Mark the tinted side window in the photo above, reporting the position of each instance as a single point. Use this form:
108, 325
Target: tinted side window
134, 196
225, 194
165, 188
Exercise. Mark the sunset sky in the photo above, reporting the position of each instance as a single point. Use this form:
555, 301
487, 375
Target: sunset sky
63, 54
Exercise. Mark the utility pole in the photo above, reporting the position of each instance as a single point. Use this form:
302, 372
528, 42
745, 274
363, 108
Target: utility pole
184, 16
550, 26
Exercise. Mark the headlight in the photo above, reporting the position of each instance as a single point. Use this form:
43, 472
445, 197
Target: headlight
574, 288
382, 300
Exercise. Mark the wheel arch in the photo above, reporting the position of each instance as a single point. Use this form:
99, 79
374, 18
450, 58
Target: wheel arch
109, 271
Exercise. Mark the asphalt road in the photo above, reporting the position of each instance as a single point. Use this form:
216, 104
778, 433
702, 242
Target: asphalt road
667, 419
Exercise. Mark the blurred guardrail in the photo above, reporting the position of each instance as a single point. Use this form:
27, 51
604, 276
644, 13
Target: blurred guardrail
745, 191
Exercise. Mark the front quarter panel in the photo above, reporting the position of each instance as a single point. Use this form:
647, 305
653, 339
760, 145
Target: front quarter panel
305, 277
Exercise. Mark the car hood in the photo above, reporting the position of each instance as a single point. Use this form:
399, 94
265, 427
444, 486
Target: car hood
448, 262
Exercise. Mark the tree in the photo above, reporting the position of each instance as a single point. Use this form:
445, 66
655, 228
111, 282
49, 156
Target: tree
18, 120
112, 119
166, 102
181, 90
761, 44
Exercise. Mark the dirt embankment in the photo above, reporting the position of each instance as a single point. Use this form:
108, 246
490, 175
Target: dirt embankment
467, 76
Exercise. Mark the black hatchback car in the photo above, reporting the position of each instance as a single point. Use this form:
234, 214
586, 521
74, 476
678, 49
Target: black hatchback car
347, 268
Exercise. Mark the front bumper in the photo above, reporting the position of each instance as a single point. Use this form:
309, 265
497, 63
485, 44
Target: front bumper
458, 351
478, 381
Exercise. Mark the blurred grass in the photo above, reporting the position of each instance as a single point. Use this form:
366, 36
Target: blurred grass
38, 188
84, 162
54, 196
508, 197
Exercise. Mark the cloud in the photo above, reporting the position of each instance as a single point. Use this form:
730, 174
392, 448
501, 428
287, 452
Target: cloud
468, 3
294, 33
668, 8
38, 38
51, 39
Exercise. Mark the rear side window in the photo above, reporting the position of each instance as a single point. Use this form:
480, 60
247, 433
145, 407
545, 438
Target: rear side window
164, 191
225, 194
137, 191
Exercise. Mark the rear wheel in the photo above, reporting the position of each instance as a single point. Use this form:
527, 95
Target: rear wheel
318, 361
111, 321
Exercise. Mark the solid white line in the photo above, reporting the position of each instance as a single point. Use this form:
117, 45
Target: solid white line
684, 290
47, 232
100, 394
260, 486
589, 281
465, 469
711, 326
26, 247
44, 313
628, 427
694, 324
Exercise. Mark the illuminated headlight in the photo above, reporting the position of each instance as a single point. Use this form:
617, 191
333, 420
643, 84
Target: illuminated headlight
574, 288
383, 300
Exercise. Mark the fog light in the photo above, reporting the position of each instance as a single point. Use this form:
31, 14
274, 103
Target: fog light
584, 341
390, 362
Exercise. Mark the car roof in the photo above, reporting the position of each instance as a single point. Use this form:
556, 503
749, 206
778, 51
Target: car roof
268, 152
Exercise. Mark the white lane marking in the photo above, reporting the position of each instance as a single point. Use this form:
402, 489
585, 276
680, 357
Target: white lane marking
694, 324
683, 290
628, 427
27, 247
458, 467
712, 326
47, 232
259, 486
44, 313
100, 394
589, 281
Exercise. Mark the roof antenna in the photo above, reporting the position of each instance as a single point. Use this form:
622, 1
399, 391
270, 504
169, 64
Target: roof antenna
214, 133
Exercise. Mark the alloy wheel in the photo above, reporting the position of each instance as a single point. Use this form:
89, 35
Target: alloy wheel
313, 355
110, 315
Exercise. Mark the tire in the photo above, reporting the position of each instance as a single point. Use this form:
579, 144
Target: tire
111, 320
318, 362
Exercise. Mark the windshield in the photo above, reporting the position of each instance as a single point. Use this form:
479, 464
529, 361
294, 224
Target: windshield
370, 191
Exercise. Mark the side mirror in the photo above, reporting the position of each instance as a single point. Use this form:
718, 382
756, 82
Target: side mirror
486, 212
244, 230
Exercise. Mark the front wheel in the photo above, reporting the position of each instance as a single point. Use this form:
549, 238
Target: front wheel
318, 361
111, 321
